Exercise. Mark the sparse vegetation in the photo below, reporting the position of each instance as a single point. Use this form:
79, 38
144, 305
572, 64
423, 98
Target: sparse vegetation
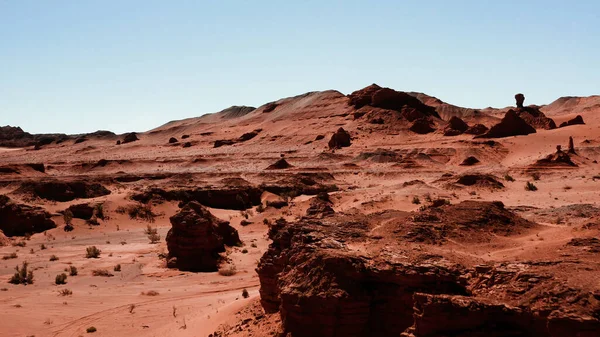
535, 176
228, 270
10, 256
121, 210
416, 200
65, 292
53, 258
150, 293
245, 293
22, 275
91, 329
131, 308
266, 222
72, 271
141, 211
92, 252
117, 268
42, 246
101, 272
530, 186
92, 222
68, 217
253, 245
260, 208
566, 188
152, 234
244, 251
20, 244
60, 279
99, 211
508, 177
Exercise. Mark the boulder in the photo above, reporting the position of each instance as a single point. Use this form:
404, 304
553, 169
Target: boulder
20, 219
197, 238
280, 164
173, 140
422, 126
82, 211
341, 138
510, 125
457, 124
130, 137
469, 161
575, 121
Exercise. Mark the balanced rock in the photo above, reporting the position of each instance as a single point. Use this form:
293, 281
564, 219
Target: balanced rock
520, 98
197, 237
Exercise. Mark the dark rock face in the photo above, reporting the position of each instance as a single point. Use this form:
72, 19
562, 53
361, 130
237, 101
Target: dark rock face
559, 158
81, 140
173, 140
243, 138
19, 219
38, 167
510, 125
380, 156
187, 144
534, 117
477, 129
571, 146
320, 206
223, 142
341, 138
575, 121
238, 197
270, 107
456, 123
482, 180
82, 211
130, 137
469, 161
422, 126
63, 191
386, 98
303, 183
280, 164
196, 239
520, 98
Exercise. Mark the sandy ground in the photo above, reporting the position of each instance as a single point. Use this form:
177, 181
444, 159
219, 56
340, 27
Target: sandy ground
196, 304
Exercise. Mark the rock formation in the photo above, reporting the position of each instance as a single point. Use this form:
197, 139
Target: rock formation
575, 121
63, 190
280, 164
477, 129
320, 206
173, 140
422, 126
341, 138
130, 137
469, 161
82, 211
571, 146
520, 98
534, 117
19, 219
197, 238
559, 158
510, 125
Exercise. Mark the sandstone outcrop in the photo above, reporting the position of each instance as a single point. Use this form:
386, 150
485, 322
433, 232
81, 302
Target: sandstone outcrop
63, 190
197, 238
578, 120
510, 125
18, 219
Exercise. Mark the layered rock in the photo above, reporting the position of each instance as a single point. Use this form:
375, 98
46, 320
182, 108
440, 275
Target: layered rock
197, 238
18, 219
510, 125
63, 190
410, 107
320, 206
534, 117
477, 129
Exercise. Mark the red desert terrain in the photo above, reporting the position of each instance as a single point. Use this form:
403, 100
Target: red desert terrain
379, 213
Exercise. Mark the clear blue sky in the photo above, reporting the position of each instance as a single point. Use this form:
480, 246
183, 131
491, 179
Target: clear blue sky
78, 66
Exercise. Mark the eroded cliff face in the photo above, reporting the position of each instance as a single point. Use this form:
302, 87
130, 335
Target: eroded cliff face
358, 275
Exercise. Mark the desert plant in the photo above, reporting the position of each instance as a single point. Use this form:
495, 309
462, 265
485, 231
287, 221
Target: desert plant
101, 272
152, 234
92, 221
535, 176
53, 258
68, 228
19, 244
72, 271
117, 268
266, 221
244, 251
508, 177
530, 186
150, 293
42, 246
91, 329
253, 245
245, 293
99, 211
10, 256
68, 217
92, 252
141, 211
260, 208
121, 210
60, 279
22, 275
228, 270
416, 200
65, 292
